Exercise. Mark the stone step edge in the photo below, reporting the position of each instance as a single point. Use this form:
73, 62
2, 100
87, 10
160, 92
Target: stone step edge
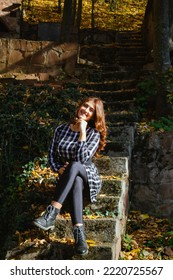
115, 245
118, 166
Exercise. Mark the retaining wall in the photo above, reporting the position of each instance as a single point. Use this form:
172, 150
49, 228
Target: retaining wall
36, 56
152, 174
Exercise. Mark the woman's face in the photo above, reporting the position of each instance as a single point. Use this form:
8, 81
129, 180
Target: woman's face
87, 110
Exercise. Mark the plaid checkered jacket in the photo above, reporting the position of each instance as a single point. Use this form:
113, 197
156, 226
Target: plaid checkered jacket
66, 147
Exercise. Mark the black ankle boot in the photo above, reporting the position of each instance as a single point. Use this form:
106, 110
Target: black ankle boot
80, 242
47, 220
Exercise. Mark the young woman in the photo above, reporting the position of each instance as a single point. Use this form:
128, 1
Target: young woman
73, 147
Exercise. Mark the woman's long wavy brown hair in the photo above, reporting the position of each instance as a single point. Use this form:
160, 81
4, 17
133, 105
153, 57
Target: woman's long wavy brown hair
98, 120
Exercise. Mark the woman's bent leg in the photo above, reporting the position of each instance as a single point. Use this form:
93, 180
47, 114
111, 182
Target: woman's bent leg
76, 201
67, 180
65, 184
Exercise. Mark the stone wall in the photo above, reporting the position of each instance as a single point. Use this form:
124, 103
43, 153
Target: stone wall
4, 4
152, 174
9, 14
36, 56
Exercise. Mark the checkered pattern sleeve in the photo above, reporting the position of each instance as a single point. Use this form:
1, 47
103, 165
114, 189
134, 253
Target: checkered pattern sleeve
86, 149
53, 154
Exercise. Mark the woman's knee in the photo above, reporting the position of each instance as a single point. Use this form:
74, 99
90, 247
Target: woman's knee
76, 165
78, 184
77, 168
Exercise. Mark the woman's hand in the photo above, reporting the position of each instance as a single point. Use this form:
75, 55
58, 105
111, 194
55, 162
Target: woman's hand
62, 169
82, 129
82, 125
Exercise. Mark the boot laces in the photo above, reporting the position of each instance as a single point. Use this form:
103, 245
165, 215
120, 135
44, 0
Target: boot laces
79, 234
48, 211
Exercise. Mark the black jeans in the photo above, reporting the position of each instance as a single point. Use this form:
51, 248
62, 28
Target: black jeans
72, 186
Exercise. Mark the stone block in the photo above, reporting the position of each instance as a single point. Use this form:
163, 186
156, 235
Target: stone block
38, 58
53, 58
3, 51
2, 67
166, 176
33, 46
165, 191
15, 57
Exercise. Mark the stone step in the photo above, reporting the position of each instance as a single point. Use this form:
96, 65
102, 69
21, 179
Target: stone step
139, 60
105, 205
121, 133
101, 230
115, 47
120, 140
116, 67
130, 34
135, 42
127, 117
58, 251
119, 106
111, 56
118, 149
112, 166
133, 39
82, 68
113, 96
109, 85
111, 185
114, 50
101, 75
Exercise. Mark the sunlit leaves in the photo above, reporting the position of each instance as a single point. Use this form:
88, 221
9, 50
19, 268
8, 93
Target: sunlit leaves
127, 15
147, 238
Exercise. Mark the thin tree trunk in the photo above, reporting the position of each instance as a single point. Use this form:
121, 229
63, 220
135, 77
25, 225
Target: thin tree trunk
79, 15
170, 13
66, 25
92, 15
161, 53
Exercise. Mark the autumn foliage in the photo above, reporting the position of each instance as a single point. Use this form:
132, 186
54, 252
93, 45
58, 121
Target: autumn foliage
124, 15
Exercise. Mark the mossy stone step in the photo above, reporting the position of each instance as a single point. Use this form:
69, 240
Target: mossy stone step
111, 186
106, 204
116, 166
100, 230
58, 251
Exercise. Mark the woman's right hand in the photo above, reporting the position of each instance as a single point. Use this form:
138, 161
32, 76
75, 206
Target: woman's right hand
62, 169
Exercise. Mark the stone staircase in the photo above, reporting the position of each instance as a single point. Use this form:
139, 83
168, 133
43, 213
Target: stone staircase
111, 72
112, 75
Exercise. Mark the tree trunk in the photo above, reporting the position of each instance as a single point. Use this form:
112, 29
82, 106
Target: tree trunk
92, 15
71, 21
161, 53
74, 3
170, 13
79, 15
66, 25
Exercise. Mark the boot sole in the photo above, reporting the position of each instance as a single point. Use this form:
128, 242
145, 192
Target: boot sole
44, 228
84, 254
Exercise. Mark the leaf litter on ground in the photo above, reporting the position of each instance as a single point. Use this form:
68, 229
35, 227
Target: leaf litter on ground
147, 238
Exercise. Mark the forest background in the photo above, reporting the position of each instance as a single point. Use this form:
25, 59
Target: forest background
28, 118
